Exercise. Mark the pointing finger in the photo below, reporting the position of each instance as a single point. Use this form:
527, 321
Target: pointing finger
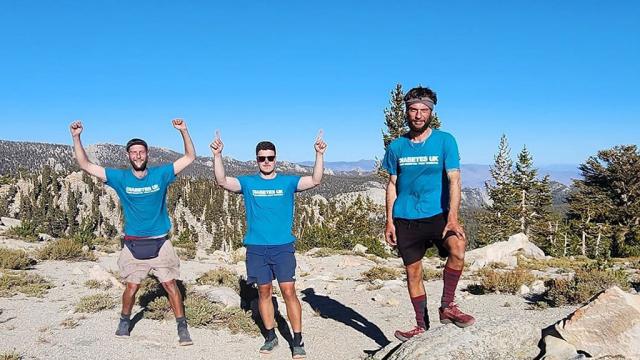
320, 134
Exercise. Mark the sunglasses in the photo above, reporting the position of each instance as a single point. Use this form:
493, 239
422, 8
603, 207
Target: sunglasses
265, 158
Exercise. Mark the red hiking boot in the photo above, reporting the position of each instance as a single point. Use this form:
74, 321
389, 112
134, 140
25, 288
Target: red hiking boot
406, 335
452, 314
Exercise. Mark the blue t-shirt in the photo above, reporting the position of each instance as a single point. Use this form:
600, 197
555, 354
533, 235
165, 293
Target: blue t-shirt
422, 185
144, 201
269, 207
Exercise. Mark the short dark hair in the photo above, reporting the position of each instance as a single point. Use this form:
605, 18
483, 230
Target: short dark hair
265, 145
420, 92
136, 141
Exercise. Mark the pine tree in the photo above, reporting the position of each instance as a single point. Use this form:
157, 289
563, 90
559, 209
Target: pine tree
606, 202
497, 221
524, 183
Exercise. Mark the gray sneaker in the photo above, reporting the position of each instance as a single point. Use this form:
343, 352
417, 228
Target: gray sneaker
183, 335
268, 346
298, 352
123, 328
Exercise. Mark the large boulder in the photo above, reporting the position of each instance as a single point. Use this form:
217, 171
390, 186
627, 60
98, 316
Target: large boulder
100, 274
219, 294
503, 252
607, 326
500, 333
10, 222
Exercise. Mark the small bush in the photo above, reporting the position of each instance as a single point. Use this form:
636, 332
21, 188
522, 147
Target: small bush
201, 312
14, 259
564, 263
431, 274
95, 303
64, 249
220, 277
504, 281
95, 284
186, 253
12, 283
381, 273
326, 252
10, 356
585, 284
28, 230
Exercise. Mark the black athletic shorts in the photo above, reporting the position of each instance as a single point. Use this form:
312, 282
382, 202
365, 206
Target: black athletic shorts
415, 236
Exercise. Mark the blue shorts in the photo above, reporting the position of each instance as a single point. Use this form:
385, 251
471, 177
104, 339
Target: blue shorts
268, 262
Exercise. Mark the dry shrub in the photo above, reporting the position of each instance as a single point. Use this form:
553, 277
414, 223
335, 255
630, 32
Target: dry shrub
14, 259
30, 284
220, 277
381, 273
583, 286
64, 249
201, 312
431, 274
504, 281
95, 303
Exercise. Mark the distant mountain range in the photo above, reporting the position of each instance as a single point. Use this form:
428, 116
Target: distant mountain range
473, 175
340, 176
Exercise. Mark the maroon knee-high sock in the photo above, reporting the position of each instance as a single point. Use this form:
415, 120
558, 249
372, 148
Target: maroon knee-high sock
450, 277
419, 306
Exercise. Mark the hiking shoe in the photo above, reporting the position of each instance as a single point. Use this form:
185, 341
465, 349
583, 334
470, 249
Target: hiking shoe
183, 335
123, 328
268, 346
406, 335
452, 314
297, 352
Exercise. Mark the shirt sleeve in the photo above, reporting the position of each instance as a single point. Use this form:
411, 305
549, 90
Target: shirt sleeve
168, 173
114, 177
390, 161
293, 183
243, 183
451, 154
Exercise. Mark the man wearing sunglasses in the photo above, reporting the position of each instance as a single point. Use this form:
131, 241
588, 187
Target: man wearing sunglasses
143, 191
423, 198
269, 203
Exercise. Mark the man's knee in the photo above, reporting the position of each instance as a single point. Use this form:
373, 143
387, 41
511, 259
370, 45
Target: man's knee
170, 287
265, 291
288, 291
457, 246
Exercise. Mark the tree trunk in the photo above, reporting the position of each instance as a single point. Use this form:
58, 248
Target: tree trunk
598, 240
564, 253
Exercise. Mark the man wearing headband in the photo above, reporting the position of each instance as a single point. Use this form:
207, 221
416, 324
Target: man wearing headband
423, 199
269, 205
143, 191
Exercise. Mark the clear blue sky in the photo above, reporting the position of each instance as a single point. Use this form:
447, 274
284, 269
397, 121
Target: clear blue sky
559, 76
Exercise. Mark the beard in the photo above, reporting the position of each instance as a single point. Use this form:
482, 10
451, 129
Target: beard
142, 167
421, 129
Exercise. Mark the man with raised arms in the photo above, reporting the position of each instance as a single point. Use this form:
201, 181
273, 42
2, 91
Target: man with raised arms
142, 191
269, 204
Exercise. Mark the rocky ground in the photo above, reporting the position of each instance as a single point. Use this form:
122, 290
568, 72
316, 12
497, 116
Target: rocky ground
344, 317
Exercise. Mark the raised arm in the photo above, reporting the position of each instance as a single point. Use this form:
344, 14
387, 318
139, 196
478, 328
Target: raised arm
226, 182
455, 195
189, 150
308, 182
81, 155
391, 195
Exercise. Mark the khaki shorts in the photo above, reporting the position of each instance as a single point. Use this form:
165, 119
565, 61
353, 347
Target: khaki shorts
165, 267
